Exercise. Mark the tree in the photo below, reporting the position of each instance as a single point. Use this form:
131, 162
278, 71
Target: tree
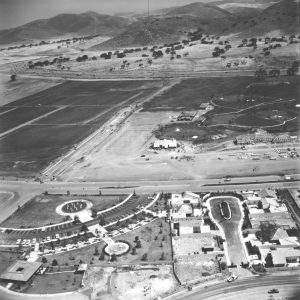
136, 239
44, 259
144, 257
113, 257
133, 252
223, 265
269, 260
102, 221
83, 228
260, 73
259, 205
54, 262
101, 256
96, 251
162, 257
138, 244
13, 77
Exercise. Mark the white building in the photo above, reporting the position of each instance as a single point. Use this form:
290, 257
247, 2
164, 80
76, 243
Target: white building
165, 144
186, 197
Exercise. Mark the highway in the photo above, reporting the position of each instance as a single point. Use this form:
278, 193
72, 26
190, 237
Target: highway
27, 189
253, 288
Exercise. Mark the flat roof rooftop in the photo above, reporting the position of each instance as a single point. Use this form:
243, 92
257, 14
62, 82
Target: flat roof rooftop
20, 271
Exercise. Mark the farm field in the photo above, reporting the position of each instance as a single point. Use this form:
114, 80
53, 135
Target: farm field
41, 210
84, 107
21, 115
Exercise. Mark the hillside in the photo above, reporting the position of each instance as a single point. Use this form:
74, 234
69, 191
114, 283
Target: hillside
87, 23
200, 10
283, 16
171, 26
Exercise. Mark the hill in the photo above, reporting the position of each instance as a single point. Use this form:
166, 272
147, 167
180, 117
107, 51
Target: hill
200, 10
171, 26
282, 16
87, 23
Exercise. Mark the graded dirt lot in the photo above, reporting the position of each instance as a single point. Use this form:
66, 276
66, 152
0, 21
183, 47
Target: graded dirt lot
230, 227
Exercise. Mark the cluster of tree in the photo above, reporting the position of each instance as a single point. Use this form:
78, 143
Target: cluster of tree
157, 54
219, 51
82, 58
294, 69
56, 60
253, 250
246, 221
61, 41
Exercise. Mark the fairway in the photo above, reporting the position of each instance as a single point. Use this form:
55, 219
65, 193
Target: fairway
230, 227
30, 140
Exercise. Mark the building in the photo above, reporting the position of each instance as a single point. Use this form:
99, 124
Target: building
205, 106
186, 116
165, 144
21, 271
186, 197
283, 257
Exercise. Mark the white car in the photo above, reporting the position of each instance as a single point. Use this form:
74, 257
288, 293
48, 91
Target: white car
18, 241
232, 277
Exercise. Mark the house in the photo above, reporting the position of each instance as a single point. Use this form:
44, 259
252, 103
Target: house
186, 197
165, 144
283, 256
21, 271
81, 268
182, 211
281, 237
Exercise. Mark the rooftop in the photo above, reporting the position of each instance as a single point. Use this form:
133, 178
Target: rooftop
20, 271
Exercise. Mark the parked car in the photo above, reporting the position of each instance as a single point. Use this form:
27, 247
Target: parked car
273, 291
232, 277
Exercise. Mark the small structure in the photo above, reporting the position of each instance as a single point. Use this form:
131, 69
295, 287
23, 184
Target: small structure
186, 116
21, 271
186, 197
165, 144
81, 268
204, 106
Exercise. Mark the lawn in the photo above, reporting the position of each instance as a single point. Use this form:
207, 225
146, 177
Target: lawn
74, 257
252, 120
54, 283
155, 240
41, 210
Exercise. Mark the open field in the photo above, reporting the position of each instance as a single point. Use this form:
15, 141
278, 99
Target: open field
230, 227
85, 107
22, 87
41, 210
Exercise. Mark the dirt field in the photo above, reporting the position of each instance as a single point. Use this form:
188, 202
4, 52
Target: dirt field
143, 282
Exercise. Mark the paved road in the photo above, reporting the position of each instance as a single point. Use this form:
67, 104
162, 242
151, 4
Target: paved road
255, 288
26, 190
231, 228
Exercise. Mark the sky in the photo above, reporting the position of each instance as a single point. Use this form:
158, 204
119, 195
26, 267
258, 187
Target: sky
18, 12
